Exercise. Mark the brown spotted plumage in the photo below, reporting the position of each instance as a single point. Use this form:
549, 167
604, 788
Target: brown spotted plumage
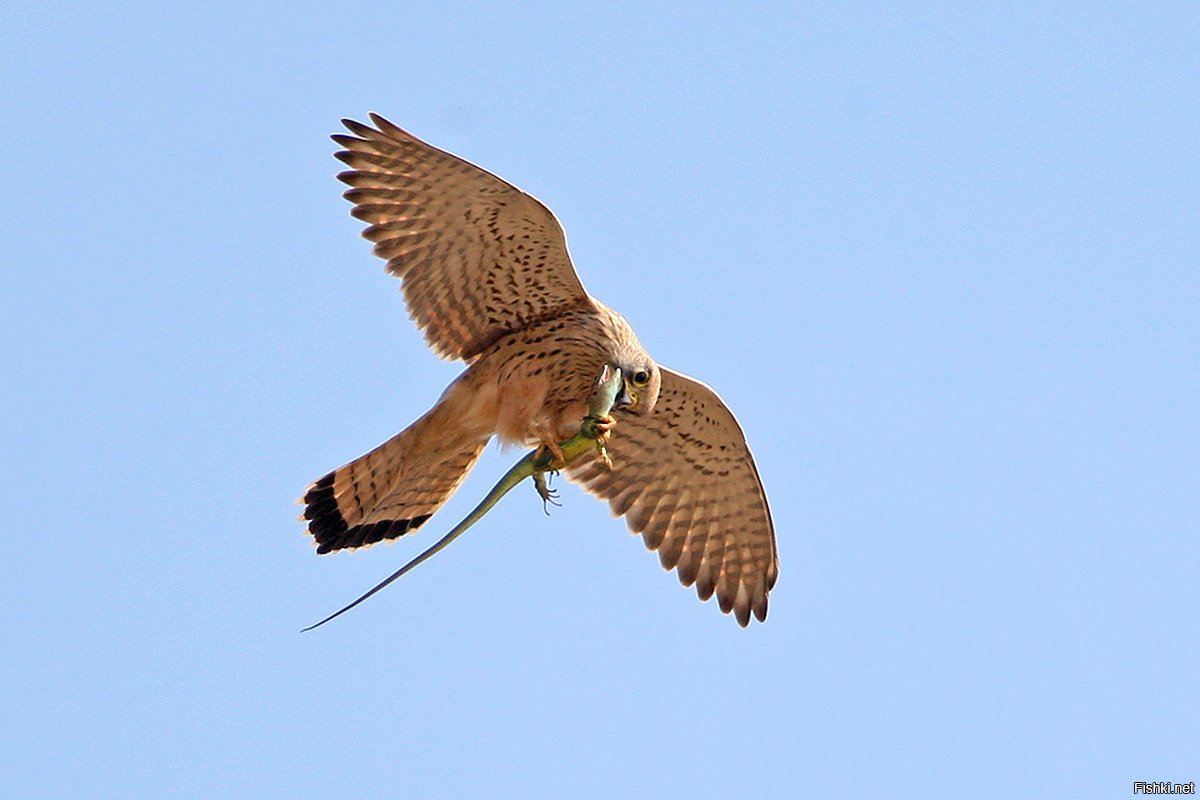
487, 277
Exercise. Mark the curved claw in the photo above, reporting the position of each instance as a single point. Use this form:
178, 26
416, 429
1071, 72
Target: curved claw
603, 427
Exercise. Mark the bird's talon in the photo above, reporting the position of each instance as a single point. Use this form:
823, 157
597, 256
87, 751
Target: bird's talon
603, 427
550, 446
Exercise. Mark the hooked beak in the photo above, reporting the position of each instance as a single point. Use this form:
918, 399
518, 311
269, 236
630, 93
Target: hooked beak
626, 398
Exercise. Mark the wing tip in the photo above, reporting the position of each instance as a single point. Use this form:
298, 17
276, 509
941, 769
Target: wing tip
364, 133
745, 603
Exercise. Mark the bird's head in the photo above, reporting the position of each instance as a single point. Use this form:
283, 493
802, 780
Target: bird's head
640, 382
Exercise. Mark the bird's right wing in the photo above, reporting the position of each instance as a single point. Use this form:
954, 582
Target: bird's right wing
477, 256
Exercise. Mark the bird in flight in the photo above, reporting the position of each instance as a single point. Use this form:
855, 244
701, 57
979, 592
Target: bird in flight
486, 274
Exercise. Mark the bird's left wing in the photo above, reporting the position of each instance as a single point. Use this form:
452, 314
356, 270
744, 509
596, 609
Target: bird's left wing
684, 478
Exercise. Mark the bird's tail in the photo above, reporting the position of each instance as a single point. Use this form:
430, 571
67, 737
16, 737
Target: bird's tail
392, 489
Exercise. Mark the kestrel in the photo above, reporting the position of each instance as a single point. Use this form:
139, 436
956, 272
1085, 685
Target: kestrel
487, 278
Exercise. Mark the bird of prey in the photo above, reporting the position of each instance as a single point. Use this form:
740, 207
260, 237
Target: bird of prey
487, 278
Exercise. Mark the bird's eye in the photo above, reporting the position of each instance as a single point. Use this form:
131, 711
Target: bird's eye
641, 377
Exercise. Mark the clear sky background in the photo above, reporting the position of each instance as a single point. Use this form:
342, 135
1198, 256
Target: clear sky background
942, 263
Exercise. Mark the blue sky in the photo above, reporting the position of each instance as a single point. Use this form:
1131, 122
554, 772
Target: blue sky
941, 262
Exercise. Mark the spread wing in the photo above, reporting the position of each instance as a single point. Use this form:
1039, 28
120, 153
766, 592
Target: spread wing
477, 256
684, 479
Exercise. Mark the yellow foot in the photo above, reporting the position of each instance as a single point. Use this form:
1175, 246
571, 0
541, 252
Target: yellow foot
604, 427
